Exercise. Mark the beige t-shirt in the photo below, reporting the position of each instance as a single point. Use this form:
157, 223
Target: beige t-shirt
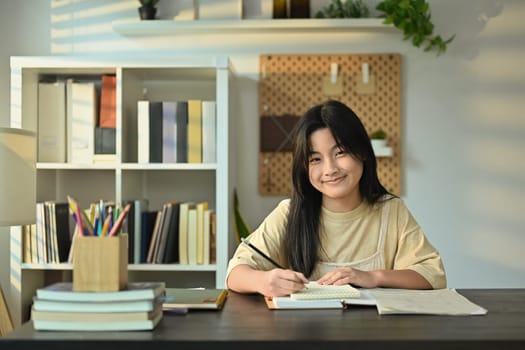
350, 237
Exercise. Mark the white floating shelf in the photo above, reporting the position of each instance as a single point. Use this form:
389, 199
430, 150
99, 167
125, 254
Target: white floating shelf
168, 27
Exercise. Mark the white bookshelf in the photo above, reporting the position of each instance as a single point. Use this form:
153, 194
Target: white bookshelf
163, 79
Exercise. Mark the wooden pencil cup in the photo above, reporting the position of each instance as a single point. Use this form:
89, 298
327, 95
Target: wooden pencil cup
100, 264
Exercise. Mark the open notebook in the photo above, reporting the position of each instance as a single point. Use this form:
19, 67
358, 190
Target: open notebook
317, 296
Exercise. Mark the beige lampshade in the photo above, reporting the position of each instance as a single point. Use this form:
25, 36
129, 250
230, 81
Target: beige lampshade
17, 176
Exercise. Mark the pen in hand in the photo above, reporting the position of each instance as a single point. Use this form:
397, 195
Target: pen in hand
258, 251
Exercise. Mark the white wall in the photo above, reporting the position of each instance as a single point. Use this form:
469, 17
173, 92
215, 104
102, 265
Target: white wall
463, 115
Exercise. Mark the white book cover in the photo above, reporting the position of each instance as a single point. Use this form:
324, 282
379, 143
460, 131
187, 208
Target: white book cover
192, 236
143, 131
209, 132
81, 121
52, 122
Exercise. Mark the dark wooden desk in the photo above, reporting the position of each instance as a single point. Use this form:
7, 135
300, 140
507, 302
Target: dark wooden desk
245, 323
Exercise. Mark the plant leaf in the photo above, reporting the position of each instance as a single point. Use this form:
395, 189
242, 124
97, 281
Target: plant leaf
241, 229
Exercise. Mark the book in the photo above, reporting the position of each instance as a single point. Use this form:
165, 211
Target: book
62, 231
194, 131
95, 316
81, 119
26, 234
105, 140
171, 249
34, 244
208, 214
143, 131
154, 237
139, 207
192, 236
160, 239
148, 224
286, 302
201, 208
213, 238
145, 305
155, 132
52, 122
209, 130
194, 298
183, 231
120, 325
181, 131
41, 233
108, 102
169, 152
63, 291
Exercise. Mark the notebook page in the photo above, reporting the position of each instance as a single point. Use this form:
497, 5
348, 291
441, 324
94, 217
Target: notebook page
314, 291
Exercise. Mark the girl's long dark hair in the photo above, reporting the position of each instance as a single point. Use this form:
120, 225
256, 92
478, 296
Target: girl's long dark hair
302, 232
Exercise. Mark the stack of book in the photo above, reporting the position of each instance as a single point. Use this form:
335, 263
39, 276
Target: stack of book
58, 308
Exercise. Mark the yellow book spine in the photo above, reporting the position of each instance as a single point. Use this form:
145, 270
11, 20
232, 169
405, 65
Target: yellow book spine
194, 131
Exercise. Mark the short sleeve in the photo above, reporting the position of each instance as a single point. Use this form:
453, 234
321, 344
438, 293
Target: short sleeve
268, 237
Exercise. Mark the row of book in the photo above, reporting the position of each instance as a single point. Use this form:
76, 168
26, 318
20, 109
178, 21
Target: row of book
180, 232
176, 132
77, 120
58, 308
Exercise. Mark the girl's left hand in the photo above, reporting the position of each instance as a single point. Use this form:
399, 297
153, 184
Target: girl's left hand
349, 275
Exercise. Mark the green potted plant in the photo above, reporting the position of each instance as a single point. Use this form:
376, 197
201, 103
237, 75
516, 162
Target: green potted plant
413, 18
147, 10
346, 9
378, 138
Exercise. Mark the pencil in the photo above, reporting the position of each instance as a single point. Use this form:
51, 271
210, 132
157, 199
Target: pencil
118, 224
245, 241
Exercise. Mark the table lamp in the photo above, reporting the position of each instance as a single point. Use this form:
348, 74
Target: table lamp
17, 176
17, 190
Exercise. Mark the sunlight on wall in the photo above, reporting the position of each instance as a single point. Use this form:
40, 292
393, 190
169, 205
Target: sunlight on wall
493, 151
76, 24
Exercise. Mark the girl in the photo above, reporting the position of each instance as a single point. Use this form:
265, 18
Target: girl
341, 225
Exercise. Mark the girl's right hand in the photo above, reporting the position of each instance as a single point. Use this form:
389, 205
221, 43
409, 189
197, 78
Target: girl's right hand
279, 282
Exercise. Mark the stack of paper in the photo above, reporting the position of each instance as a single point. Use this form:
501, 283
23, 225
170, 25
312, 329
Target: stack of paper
59, 308
430, 302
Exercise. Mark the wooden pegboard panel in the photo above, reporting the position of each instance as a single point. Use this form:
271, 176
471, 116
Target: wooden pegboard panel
290, 84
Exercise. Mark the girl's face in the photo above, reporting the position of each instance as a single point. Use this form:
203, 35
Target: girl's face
334, 172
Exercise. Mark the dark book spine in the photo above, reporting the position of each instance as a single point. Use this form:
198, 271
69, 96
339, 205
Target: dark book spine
181, 137
171, 252
63, 218
155, 132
